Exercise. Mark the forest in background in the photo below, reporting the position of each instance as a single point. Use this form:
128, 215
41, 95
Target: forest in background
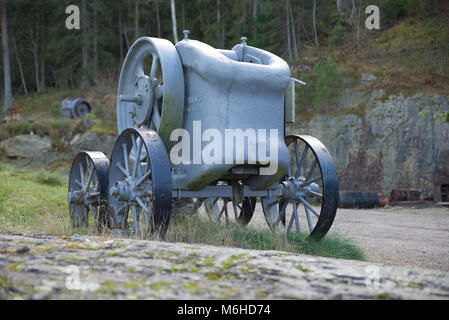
45, 56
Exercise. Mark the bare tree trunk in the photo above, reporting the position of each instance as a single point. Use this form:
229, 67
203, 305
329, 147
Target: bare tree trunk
136, 18
42, 64
42, 72
34, 50
6, 63
255, 7
295, 47
314, 24
19, 63
158, 20
339, 6
220, 39
95, 39
85, 45
183, 15
357, 22
173, 19
120, 30
289, 46
353, 9
300, 18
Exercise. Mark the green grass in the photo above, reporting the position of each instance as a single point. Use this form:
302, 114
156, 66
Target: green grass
35, 201
195, 229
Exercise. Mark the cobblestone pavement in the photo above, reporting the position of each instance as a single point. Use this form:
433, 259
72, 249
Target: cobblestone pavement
44, 267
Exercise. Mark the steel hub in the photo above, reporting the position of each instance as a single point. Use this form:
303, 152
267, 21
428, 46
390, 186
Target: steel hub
143, 93
83, 198
130, 190
294, 189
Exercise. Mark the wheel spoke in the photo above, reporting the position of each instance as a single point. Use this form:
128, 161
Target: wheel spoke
307, 182
221, 212
137, 160
236, 213
119, 165
290, 224
140, 71
159, 92
316, 194
298, 163
154, 66
295, 212
89, 179
78, 183
126, 157
94, 212
136, 217
226, 212
284, 206
81, 174
156, 118
142, 205
121, 208
306, 204
311, 170
301, 161
309, 220
143, 178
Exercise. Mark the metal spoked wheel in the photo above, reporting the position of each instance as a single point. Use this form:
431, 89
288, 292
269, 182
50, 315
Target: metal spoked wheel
88, 185
151, 88
141, 185
218, 209
313, 178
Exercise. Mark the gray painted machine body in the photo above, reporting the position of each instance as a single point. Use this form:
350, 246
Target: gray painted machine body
242, 88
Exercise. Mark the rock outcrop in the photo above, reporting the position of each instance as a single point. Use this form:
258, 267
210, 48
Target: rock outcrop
44, 267
382, 142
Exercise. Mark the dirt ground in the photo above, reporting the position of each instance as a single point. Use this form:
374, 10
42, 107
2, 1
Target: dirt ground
397, 236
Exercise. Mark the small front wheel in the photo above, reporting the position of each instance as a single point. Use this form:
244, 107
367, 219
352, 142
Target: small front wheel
88, 185
140, 180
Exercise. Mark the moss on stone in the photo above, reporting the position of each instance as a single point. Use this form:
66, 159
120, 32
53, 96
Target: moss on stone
213, 276
192, 287
157, 286
13, 266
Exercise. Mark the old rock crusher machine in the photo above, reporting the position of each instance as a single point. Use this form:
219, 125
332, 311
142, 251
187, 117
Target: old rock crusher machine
206, 124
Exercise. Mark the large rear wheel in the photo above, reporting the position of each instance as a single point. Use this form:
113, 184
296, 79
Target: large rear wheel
313, 205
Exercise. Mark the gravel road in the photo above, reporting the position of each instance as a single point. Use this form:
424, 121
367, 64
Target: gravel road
398, 236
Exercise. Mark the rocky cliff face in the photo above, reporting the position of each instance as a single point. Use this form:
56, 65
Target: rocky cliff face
382, 142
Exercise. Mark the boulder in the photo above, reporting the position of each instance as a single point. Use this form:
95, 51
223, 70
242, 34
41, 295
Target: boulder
366, 78
25, 146
93, 141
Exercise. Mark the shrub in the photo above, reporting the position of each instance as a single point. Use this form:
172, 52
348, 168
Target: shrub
55, 109
99, 111
327, 81
337, 35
